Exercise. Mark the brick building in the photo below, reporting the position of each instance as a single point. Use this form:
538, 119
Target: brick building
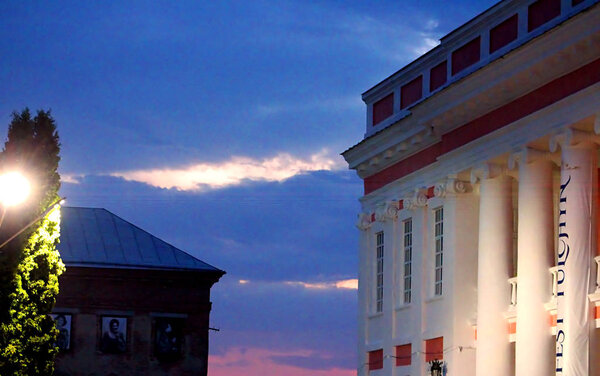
129, 303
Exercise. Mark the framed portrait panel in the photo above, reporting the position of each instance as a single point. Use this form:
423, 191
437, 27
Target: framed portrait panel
114, 335
168, 338
63, 324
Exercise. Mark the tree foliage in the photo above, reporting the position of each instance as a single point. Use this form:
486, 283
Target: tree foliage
30, 264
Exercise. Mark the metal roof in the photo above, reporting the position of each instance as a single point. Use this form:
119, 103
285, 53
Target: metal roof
95, 237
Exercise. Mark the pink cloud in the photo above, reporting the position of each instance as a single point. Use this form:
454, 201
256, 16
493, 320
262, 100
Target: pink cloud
261, 362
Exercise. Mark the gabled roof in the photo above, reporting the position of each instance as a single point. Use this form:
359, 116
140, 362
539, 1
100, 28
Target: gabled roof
94, 237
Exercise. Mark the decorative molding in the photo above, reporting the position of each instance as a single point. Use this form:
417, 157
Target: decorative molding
570, 137
486, 171
528, 155
597, 123
386, 211
417, 200
363, 222
451, 186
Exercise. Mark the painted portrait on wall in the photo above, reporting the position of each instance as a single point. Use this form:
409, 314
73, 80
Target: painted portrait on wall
63, 324
168, 338
114, 335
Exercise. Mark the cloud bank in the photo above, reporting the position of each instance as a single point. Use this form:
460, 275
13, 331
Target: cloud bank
235, 171
348, 284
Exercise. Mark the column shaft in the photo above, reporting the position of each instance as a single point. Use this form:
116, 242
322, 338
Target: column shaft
534, 342
494, 269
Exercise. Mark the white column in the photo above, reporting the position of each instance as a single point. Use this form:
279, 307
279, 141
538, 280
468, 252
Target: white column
387, 214
494, 269
364, 286
534, 351
575, 244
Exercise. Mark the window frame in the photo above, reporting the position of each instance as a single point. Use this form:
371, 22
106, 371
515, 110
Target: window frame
438, 251
379, 270
407, 256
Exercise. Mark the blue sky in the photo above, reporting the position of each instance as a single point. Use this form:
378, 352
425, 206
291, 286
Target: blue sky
217, 126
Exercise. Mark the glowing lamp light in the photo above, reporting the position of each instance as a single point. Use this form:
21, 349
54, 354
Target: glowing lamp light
14, 188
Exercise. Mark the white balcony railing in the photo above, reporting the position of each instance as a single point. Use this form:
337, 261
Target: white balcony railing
513, 292
554, 280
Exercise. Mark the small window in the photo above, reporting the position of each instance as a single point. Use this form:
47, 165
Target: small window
408, 239
434, 349
379, 275
403, 355
383, 109
375, 359
439, 249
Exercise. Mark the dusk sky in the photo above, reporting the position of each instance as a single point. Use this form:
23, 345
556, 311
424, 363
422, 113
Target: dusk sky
217, 126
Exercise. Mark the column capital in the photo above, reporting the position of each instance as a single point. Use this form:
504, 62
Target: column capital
363, 222
528, 155
386, 211
451, 186
597, 123
486, 170
570, 137
417, 200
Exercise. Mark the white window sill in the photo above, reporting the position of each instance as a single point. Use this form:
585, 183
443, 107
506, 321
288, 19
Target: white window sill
376, 314
434, 298
403, 307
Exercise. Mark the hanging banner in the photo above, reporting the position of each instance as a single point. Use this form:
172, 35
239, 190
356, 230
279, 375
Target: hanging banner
574, 259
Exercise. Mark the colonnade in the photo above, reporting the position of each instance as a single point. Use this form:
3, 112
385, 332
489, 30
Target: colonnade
537, 352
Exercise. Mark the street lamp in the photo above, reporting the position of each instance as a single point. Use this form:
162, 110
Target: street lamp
14, 189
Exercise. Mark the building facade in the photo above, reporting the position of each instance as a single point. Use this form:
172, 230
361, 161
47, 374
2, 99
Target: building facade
129, 303
478, 232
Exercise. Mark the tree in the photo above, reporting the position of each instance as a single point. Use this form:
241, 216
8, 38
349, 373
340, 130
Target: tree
30, 264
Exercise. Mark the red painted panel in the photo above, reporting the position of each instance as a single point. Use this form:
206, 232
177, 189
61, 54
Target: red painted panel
438, 76
541, 12
576, 2
429, 193
512, 327
536, 100
401, 206
504, 33
466, 56
375, 359
411, 92
552, 320
597, 312
383, 109
434, 349
544, 96
403, 355
402, 168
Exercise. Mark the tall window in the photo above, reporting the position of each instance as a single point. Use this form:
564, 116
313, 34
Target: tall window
439, 249
379, 285
407, 260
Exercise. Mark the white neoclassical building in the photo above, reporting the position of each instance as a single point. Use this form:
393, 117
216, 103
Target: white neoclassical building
478, 231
